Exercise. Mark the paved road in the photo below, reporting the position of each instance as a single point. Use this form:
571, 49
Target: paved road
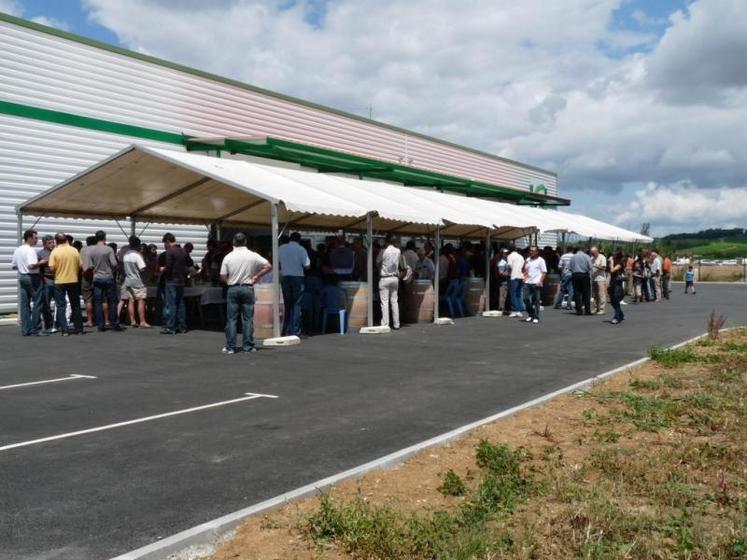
342, 401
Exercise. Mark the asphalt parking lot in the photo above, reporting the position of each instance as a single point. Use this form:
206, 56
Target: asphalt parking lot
134, 436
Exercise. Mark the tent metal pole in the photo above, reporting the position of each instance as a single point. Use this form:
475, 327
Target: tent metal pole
133, 226
487, 271
369, 267
275, 274
437, 274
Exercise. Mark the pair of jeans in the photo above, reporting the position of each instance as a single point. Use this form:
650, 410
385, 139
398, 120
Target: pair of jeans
174, 310
617, 293
72, 291
517, 305
31, 293
104, 289
666, 285
532, 300
240, 301
293, 289
582, 292
47, 299
566, 288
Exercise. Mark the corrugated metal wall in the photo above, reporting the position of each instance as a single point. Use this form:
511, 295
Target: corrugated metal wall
35, 156
45, 71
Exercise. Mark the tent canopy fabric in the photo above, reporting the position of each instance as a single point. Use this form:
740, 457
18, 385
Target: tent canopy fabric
167, 186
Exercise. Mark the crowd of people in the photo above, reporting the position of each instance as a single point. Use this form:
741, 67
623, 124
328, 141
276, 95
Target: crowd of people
109, 279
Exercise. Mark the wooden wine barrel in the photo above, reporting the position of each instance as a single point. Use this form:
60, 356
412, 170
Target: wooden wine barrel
418, 302
263, 311
550, 289
357, 302
475, 296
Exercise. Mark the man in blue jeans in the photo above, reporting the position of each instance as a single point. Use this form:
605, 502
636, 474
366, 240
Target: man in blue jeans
174, 274
26, 262
535, 270
566, 279
293, 261
516, 265
240, 270
101, 260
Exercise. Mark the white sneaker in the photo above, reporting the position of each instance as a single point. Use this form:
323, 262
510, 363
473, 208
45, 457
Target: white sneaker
623, 303
228, 350
535, 320
513, 314
529, 320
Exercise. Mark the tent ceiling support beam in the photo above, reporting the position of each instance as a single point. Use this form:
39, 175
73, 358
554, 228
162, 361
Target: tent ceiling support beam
240, 210
169, 196
355, 223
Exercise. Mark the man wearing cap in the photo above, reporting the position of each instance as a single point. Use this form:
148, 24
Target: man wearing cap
240, 270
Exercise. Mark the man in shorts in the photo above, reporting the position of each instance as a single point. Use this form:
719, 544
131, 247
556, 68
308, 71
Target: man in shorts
133, 287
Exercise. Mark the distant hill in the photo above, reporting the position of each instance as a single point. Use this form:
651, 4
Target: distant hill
707, 244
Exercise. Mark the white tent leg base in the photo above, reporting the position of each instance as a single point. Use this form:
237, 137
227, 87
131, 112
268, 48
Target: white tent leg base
282, 341
375, 330
492, 313
443, 321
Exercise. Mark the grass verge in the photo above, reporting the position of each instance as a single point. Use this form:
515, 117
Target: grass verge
650, 464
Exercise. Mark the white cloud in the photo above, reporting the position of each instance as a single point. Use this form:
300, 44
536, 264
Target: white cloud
683, 206
51, 22
10, 7
527, 79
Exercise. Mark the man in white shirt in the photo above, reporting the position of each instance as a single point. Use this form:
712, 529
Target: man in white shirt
503, 277
241, 269
133, 287
656, 269
599, 280
516, 265
26, 262
389, 264
535, 270
293, 261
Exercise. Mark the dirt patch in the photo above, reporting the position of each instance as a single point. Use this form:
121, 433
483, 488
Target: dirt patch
650, 463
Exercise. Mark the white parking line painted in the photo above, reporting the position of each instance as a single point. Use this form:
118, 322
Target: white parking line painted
43, 381
248, 397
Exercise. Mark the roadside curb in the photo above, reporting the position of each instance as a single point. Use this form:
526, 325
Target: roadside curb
200, 540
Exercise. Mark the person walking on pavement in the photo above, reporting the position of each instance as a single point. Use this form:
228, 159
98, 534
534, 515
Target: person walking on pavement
617, 285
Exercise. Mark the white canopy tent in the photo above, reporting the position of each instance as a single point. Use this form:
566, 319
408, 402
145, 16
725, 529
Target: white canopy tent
166, 186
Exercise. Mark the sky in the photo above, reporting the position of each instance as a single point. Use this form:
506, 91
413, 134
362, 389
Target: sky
640, 106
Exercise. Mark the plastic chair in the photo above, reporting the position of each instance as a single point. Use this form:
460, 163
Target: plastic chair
335, 302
